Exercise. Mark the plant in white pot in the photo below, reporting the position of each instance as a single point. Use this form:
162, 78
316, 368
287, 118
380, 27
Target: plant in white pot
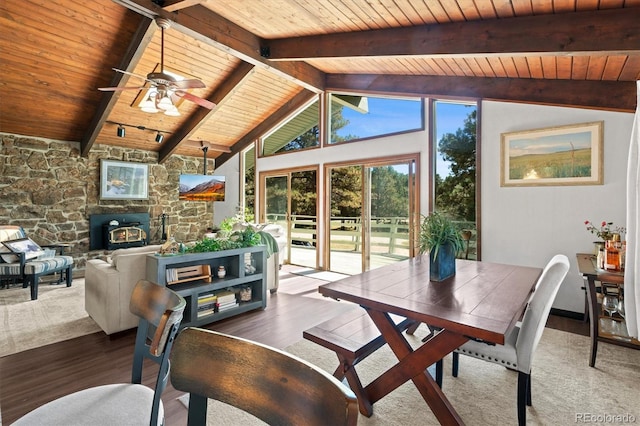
441, 238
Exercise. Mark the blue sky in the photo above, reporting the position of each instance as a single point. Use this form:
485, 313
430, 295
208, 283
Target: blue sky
449, 118
394, 115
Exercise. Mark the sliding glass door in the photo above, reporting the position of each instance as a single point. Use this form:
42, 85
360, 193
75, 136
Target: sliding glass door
290, 200
371, 214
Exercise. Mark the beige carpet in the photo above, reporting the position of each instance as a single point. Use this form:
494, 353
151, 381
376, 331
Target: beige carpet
28, 324
564, 387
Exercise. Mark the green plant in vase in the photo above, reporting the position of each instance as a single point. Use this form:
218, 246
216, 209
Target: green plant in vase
441, 238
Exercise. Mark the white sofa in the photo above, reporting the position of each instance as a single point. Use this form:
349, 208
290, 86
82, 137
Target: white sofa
108, 287
109, 283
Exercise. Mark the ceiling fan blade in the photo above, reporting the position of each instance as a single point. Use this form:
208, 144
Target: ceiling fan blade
202, 102
192, 83
130, 73
113, 89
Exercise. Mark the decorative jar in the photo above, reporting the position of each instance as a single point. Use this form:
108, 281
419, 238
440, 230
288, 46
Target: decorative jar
222, 272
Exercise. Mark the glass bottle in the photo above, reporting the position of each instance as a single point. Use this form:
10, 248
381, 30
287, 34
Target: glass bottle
600, 258
612, 256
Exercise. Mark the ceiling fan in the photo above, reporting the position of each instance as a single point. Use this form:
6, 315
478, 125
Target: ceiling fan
165, 88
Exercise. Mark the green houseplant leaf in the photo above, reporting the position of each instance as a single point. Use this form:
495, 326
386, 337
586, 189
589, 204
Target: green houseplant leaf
437, 230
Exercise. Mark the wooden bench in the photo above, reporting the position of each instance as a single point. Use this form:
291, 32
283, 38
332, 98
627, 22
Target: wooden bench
353, 336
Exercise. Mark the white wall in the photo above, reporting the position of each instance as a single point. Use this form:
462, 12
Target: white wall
227, 208
528, 225
520, 225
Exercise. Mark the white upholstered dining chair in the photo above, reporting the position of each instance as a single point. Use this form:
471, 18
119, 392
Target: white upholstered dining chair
520, 344
160, 310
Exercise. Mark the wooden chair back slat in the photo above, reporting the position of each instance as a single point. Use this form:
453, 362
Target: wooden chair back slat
270, 384
161, 307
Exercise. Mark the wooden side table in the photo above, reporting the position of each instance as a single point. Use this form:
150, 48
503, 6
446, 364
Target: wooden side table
602, 328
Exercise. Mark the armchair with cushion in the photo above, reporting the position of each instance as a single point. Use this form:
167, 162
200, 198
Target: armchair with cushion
27, 261
108, 285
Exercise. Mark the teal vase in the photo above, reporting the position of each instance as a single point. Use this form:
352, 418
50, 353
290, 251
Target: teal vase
444, 265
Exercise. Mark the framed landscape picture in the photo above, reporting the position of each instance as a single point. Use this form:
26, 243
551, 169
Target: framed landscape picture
121, 180
565, 155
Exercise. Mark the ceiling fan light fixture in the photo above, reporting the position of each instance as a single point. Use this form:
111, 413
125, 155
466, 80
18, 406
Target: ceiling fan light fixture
148, 105
172, 111
159, 137
120, 131
165, 103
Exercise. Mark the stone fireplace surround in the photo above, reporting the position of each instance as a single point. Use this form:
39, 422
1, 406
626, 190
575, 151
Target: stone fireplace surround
51, 191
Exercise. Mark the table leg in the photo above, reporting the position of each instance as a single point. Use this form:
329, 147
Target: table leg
412, 365
594, 317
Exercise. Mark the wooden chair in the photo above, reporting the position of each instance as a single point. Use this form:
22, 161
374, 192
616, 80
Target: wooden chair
519, 347
160, 310
270, 384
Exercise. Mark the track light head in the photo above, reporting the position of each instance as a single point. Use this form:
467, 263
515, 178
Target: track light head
121, 132
159, 137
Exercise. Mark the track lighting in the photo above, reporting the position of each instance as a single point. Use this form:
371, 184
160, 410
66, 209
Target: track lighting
121, 131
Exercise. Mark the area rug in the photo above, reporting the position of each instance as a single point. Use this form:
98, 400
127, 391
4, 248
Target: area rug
565, 390
58, 314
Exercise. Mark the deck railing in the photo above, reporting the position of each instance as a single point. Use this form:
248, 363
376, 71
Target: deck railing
389, 235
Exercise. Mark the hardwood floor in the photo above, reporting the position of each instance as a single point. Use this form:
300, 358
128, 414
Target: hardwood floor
31, 378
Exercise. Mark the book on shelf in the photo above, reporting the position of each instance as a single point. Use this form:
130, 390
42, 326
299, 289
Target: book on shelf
227, 306
172, 274
207, 299
230, 302
206, 306
205, 312
226, 296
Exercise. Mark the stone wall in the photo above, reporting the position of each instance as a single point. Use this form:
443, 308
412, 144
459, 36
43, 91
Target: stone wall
50, 190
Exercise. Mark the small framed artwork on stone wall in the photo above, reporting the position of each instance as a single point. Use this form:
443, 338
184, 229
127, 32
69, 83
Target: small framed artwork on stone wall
121, 180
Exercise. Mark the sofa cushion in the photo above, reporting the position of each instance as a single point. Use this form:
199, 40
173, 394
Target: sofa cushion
49, 264
132, 250
273, 229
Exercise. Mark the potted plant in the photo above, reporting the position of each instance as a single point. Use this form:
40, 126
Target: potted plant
440, 237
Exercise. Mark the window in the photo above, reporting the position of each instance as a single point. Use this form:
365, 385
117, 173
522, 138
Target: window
299, 132
454, 150
248, 190
353, 117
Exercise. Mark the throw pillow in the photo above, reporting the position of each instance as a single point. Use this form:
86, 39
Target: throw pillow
7, 258
26, 246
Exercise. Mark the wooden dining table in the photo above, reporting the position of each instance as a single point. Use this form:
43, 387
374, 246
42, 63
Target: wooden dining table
482, 301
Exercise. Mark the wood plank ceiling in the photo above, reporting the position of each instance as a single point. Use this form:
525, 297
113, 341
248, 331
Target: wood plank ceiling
262, 59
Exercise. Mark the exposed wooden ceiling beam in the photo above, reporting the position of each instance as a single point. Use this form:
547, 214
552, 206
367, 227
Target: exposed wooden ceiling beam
175, 5
137, 46
603, 95
611, 31
210, 146
292, 105
219, 96
204, 25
